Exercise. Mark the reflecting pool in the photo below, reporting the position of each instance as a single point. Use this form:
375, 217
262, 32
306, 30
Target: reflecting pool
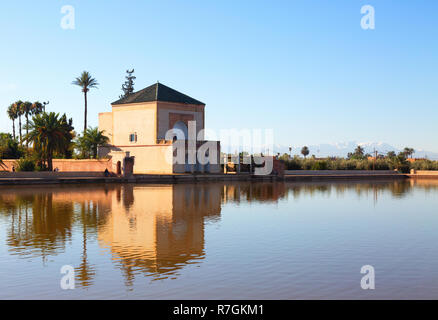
220, 240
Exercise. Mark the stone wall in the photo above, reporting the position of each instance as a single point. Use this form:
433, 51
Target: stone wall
50, 175
69, 165
339, 172
424, 173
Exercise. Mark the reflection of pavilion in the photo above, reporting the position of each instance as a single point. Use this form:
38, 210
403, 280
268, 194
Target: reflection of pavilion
250, 191
158, 229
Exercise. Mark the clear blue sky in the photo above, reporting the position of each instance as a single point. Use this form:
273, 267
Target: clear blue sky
304, 68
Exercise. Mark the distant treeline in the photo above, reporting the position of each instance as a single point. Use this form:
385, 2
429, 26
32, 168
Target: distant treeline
386, 163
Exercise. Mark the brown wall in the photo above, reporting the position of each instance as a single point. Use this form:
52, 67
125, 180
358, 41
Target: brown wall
69, 165
424, 172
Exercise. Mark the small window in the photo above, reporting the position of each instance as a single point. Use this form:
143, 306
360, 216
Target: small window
133, 137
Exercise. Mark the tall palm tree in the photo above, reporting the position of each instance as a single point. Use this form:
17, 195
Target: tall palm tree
408, 152
359, 151
305, 151
86, 82
12, 114
27, 110
37, 108
19, 110
49, 134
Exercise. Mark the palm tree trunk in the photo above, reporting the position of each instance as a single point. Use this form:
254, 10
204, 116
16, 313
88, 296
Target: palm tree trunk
49, 163
13, 128
19, 123
27, 129
85, 113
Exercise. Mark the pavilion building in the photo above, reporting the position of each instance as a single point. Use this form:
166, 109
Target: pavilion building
137, 127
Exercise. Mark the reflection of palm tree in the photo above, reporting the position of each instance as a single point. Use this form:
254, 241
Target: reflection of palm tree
37, 226
85, 270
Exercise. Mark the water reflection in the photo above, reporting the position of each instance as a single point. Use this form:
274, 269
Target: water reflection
152, 230
156, 230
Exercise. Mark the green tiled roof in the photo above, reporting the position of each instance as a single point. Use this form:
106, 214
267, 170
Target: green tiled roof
158, 92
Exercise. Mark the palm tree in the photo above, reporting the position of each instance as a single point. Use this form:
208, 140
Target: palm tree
12, 114
359, 151
86, 82
91, 140
391, 154
26, 108
67, 153
37, 108
19, 110
49, 134
408, 152
305, 151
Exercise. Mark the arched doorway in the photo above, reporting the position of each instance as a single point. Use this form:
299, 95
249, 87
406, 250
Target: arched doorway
119, 167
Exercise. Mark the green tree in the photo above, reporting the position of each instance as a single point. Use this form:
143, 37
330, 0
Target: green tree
37, 108
359, 151
67, 152
128, 86
358, 154
408, 152
305, 151
90, 141
13, 115
400, 163
48, 134
9, 148
86, 82
391, 154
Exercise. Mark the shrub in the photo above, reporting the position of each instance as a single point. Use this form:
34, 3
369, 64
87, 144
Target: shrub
307, 164
351, 164
9, 148
424, 165
25, 165
293, 164
320, 165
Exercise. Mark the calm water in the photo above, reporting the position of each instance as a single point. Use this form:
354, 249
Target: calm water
220, 240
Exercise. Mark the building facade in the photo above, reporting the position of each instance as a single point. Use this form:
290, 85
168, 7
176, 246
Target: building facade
139, 125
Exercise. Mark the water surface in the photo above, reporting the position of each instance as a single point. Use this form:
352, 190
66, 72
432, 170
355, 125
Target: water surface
220, 240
